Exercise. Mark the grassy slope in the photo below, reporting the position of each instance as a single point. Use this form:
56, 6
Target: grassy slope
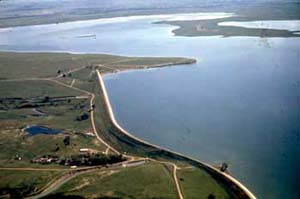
36, 88
198, 184
148, 181
24, 181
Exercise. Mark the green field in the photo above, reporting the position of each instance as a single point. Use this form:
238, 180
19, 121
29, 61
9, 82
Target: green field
34, 88
24, 182
34, 65
14, 142
151, 180
198, 184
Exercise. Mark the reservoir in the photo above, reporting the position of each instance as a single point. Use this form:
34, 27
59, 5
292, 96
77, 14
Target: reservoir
239, 104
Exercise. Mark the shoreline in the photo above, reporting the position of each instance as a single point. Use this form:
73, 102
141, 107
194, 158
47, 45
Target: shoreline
230, 182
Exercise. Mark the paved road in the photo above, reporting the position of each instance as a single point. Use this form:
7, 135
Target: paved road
57, 183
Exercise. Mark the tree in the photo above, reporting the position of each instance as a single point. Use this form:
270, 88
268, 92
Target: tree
224, 167
56, 149
211, 196
84, 116
46, 99
67, 140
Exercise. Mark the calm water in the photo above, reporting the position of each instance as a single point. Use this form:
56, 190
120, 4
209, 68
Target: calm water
34, 130
239, 104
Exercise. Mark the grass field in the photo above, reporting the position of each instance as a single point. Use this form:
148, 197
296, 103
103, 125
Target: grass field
58, 113
198, 184
24, 182
151, 180
29, 65
13, 141
35, 88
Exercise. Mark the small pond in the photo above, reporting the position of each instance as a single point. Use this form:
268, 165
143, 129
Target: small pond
35, 129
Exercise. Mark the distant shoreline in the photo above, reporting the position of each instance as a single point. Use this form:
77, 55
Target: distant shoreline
19, 13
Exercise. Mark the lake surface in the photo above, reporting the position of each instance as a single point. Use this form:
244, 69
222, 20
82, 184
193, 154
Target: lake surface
240, 103
35, 129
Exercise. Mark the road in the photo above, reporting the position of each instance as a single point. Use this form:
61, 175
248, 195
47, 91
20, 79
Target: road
95, 129
57, 183
73, 82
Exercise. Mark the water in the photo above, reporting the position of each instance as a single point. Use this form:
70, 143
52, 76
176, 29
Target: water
35, 129
239, 104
